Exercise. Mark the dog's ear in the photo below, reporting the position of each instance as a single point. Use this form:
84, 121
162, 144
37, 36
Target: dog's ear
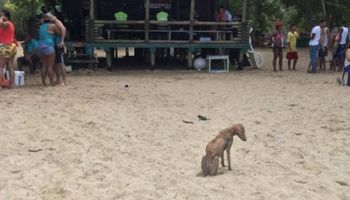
240, 131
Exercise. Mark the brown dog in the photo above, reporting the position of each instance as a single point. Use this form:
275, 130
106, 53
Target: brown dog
216, 147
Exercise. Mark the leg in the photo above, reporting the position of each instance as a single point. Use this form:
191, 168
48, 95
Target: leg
57, 73
295, 64
2, 64
289, 62
214, 166
50, 68
280, 55
63, 73
222, 160
274, 59
204, 166
229, 159
10, 66
43, 69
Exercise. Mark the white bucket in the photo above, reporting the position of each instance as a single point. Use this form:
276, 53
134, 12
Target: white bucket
68, 68
19, 78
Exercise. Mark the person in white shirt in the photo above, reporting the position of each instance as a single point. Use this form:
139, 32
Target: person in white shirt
340, 52
315, 44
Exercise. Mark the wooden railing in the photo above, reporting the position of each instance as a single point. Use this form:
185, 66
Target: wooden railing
95, 28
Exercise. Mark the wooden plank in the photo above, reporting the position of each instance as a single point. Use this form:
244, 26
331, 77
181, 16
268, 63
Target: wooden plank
131, 22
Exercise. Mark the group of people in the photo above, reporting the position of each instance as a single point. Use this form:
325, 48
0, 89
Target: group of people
49, 48
321, 44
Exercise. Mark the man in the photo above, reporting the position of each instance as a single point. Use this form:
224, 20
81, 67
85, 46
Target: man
292, 53
223, 15
340, 52
314, 44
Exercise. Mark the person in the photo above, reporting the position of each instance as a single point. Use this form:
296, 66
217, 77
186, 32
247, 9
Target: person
30, 57
347, 66
46, 49
223, 15
340, 52
324, 48
277, 47
314, 44
8, 47
59, 50
337, 32
292, 53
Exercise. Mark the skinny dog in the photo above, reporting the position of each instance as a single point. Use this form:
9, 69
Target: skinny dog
216, 147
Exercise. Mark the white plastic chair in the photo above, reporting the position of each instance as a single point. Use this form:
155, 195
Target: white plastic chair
256, 58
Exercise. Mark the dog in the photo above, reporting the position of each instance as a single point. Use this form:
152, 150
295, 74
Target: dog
216, 147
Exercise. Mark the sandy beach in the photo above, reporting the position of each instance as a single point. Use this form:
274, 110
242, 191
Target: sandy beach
97, 139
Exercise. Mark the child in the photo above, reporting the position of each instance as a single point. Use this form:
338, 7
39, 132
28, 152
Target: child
292, 53
277, 42
30, 54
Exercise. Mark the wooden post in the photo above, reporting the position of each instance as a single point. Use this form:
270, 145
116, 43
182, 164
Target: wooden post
244, 12
92, 9
147, 4
192, 13
193, 2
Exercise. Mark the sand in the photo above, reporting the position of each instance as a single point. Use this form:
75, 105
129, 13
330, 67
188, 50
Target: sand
97, 139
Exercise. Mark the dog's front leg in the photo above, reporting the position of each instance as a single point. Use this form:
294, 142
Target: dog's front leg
229, 159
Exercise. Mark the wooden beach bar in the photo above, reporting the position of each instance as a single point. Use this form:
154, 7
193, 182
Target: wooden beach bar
191, 27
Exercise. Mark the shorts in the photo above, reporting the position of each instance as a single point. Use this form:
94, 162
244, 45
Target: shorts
340, 52
292, 55
59, 55
8, 51
277, 50
46, 50
323, 52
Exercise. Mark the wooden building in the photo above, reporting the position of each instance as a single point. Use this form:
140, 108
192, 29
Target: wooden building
191, 26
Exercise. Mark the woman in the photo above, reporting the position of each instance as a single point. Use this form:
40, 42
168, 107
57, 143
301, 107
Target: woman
46, 49
8, 47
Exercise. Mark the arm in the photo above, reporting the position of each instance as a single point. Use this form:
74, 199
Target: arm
61, 27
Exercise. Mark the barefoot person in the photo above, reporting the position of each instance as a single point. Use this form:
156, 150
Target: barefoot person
59, 49
315, 45
8, 46
46, 49
277, 41
292, 53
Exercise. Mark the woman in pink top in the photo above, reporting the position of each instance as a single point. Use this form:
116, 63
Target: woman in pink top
8, 47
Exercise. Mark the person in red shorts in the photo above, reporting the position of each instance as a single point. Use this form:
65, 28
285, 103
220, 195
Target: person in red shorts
292, 53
